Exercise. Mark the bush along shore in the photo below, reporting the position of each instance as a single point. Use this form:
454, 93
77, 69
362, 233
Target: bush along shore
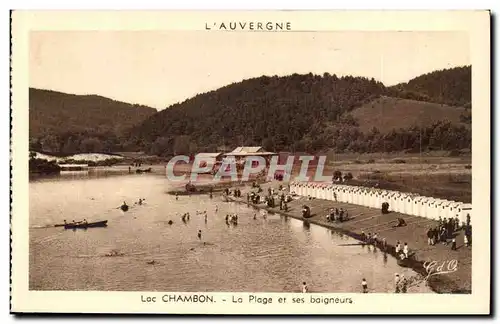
365, 220
41, 166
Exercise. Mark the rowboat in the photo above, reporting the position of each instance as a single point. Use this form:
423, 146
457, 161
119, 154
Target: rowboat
103, 223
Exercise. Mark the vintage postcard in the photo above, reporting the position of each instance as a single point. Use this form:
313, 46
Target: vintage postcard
251, 162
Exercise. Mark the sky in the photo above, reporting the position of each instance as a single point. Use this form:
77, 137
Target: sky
159, 69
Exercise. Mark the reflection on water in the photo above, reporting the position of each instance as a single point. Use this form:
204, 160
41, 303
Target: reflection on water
141, 251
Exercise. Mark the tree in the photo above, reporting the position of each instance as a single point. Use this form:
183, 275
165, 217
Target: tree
71, 146
162, 146
50, 143
182, 145
92, 144
35, 144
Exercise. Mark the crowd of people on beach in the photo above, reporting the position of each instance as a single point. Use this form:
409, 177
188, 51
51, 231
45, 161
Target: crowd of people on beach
337, 215
446, 229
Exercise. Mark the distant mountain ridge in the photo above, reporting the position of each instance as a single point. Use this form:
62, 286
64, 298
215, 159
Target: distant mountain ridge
289, 113
313, 113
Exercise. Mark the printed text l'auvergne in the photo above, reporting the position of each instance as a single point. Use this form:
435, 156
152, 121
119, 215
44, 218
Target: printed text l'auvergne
249, 26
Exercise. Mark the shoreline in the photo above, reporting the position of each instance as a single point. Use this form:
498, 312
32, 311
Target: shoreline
439, 284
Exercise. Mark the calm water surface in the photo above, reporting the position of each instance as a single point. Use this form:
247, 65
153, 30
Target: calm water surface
264, 255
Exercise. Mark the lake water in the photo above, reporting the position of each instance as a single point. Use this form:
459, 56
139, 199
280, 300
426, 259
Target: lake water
263, 255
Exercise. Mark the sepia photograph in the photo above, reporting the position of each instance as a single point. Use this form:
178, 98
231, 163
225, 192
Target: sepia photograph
250, 156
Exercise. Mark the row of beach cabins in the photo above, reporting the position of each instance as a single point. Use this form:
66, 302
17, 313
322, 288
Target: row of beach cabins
401, 202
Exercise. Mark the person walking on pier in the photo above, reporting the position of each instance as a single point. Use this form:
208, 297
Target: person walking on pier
397, 248
430, 234
405, 250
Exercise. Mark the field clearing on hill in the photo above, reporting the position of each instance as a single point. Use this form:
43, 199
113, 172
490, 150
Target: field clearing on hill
387, 113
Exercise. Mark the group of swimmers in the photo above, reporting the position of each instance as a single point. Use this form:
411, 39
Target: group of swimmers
185, 217
124, 207
231, 219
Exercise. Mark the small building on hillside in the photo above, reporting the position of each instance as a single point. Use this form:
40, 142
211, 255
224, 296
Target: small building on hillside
241, 152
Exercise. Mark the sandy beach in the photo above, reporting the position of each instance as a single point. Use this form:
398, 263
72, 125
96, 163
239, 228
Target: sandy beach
372, 220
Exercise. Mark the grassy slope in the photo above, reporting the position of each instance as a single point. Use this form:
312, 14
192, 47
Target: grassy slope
387, 113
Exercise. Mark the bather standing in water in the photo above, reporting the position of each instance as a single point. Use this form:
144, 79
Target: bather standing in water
396, 283
199, 234
364, 284
304, 287
124, 207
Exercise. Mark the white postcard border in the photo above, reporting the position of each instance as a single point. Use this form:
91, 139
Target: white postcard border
476, 23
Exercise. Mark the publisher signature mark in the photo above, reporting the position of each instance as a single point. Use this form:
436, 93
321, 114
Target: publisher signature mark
434, 267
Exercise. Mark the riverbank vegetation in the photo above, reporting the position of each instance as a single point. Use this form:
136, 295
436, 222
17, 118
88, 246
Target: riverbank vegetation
41, 166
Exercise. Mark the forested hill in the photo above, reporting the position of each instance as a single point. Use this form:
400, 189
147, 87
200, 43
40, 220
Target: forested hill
56, 112
60, 120
449, 86
275, 111
300, 113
